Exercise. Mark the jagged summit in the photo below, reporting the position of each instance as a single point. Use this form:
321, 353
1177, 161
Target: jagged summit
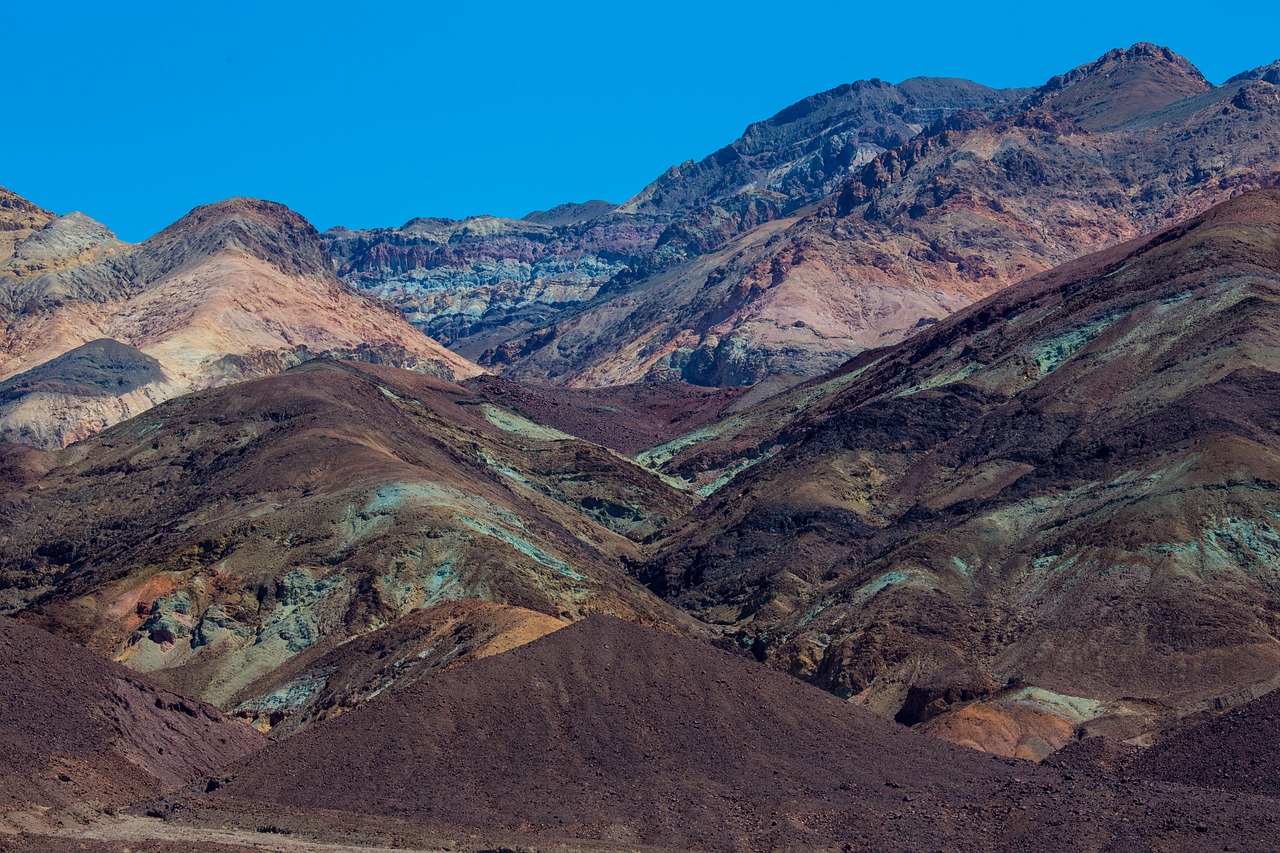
1268, 73
572, 213
1121, 85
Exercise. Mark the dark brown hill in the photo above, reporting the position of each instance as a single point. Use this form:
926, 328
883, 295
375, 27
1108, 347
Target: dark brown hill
1121, 86
1237, 751
625, 418
1059, 504
78, 729
611, 733
219, 535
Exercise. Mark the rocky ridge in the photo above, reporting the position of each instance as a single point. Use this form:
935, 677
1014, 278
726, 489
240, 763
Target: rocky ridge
975, 202
476, 283
1051, 513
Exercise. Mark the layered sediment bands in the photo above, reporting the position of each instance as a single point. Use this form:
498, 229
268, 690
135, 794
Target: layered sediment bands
976, 201
468, 283
1061, 498
232, 291
216, 536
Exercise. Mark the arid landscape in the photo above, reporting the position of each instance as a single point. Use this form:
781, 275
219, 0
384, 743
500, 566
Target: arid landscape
904, 475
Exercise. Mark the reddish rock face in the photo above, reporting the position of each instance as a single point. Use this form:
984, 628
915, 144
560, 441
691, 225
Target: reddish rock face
79, 729
1061, 497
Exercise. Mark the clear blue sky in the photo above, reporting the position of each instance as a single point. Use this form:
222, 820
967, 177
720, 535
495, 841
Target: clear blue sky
370, 113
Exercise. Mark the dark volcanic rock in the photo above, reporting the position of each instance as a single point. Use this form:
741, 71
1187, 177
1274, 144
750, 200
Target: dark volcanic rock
1237, 751
99, 368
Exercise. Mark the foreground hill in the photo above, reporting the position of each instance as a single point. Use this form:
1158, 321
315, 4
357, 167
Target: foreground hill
608, 735
215, 537
79, 730
1053, 510
1114, 149
231, 291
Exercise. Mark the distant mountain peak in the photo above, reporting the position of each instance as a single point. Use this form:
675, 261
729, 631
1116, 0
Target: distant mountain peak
1121, 85
262, 229
1268, 73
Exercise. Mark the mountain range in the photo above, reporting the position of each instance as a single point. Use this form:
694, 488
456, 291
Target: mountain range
903, 471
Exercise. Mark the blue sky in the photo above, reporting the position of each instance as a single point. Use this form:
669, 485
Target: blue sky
371, 113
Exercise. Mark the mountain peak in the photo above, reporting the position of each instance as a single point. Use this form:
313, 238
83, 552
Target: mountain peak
1268, 73
19, 219
262, 229
1121, 85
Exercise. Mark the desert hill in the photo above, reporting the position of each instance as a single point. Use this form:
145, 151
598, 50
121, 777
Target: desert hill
78, 729
213, 538
1055, 506
629, 738
233, 290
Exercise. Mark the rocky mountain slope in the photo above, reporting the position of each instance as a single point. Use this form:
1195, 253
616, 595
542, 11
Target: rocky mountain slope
233, 290
628, 738
476, 283
1050, 513
213, 538
81, 731
1115, 149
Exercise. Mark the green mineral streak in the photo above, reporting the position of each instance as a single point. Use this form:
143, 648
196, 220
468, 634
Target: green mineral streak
513, 423
957, 375
520, 544
871, 588
1075, 709
1051, 354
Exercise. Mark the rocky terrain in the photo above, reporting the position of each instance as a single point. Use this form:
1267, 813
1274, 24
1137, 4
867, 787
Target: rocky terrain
1051, 513
973, 203
903, 475
234, 290
633, 739
81, 731
215, 537
475, 284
